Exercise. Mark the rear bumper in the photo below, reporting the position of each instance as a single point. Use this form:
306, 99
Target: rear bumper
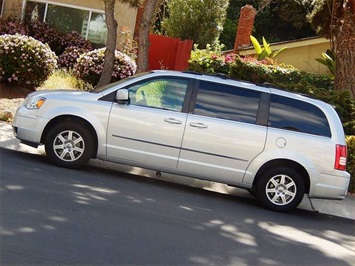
331, 186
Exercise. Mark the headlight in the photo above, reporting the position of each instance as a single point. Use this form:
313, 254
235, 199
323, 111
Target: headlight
34, 102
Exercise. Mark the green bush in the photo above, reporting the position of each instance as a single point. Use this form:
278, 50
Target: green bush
89, 66
210, 60
25, 61
350, 141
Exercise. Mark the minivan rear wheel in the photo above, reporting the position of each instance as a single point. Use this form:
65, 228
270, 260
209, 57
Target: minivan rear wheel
280, 189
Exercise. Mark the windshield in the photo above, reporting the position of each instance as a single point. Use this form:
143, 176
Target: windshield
103, 88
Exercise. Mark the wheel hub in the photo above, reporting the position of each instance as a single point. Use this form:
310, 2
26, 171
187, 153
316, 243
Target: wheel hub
281, 190
69, 145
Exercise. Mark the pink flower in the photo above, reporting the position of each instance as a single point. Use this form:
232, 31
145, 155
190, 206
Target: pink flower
229, 58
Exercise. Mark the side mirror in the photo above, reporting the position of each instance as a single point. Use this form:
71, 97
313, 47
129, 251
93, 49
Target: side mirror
122, 96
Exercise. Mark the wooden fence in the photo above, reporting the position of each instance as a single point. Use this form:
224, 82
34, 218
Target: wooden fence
168, 53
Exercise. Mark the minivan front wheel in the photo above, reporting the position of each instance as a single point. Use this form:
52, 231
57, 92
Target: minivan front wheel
280, 189
69, 145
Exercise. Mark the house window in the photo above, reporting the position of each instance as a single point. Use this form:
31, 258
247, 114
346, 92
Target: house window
88, 22
1, 7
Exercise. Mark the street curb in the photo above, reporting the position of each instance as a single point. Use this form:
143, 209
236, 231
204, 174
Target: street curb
341, 208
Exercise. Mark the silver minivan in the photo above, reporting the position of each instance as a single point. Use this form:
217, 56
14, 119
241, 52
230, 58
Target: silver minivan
276, 144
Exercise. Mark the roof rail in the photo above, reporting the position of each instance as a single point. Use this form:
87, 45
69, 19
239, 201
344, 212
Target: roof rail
221, 75
218, 75
192, 72
267, 85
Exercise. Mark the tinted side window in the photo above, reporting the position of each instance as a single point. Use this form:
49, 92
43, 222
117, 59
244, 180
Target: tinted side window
290, 114
227, 102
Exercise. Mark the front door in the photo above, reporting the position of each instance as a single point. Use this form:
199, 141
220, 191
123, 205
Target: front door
148, 131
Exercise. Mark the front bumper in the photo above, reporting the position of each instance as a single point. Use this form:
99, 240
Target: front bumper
28, 127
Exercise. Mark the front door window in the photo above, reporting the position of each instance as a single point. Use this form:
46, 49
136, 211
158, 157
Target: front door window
167, 94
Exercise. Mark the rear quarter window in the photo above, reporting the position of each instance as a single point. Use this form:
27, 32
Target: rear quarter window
290, 114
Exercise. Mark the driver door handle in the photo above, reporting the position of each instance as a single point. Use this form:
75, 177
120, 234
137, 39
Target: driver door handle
173, 121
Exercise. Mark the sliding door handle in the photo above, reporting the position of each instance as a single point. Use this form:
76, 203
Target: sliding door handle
198, 125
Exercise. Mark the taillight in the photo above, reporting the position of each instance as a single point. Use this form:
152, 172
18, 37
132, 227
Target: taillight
340, 157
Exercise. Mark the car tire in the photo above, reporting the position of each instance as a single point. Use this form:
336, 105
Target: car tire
69, 145
280, 189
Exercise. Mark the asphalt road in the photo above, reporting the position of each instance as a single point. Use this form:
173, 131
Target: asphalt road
97, 216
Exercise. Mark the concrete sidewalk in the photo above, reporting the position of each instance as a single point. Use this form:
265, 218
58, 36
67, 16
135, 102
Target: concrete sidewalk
343, 208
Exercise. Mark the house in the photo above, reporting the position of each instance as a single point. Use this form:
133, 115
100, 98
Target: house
301, 53
84, 16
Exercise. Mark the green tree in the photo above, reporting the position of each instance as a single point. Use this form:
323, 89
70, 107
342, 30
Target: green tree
200, 21
276, 20
336, 19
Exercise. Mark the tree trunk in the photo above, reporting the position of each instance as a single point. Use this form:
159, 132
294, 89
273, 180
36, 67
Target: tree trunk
143, 38
345, 54
111, 43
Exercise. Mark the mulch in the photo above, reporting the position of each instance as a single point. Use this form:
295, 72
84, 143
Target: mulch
14, 91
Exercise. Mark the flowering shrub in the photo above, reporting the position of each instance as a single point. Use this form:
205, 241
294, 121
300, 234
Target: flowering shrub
43, 32
57, 41
75, 39
70, 56
89, 66
209, 60
12, 26
25, 61
267, 70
